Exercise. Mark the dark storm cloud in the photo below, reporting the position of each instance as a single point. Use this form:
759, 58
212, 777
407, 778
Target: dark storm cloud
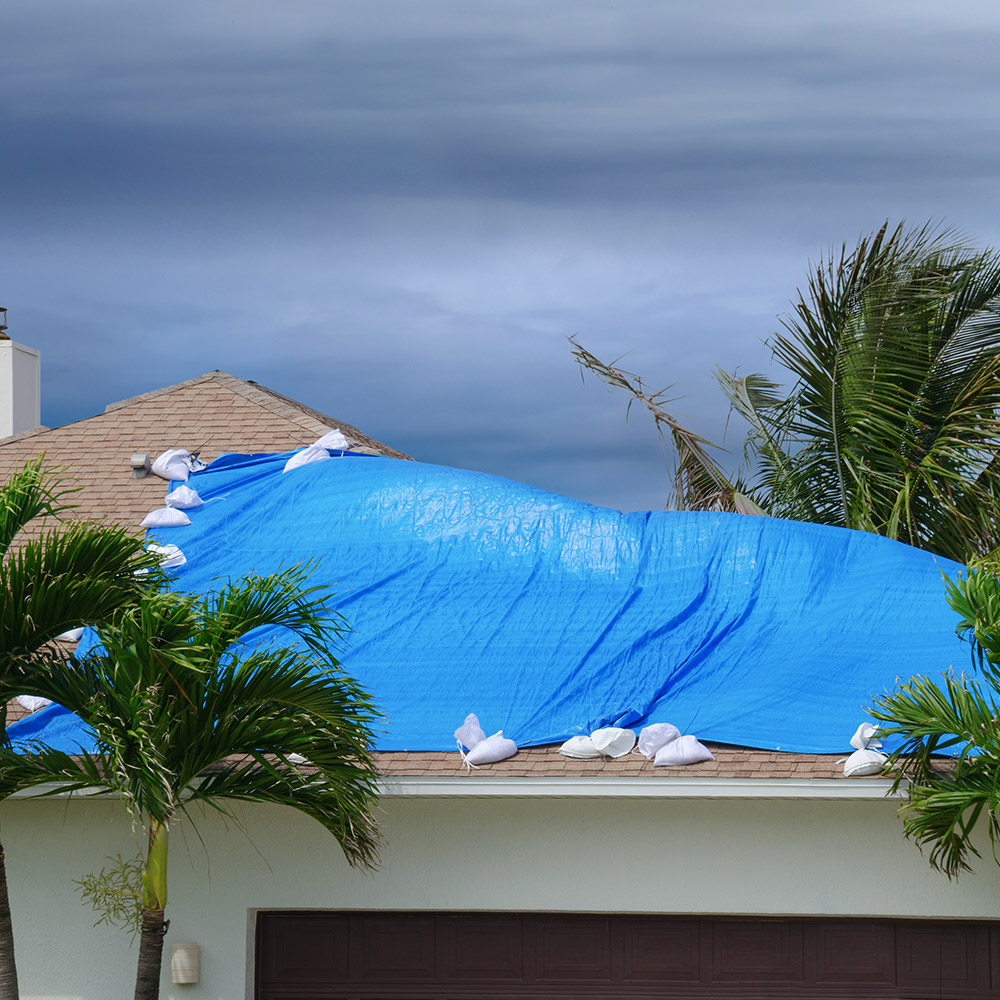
397, 212
132, 115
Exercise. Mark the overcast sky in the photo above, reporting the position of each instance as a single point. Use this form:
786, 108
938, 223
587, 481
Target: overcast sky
397, 211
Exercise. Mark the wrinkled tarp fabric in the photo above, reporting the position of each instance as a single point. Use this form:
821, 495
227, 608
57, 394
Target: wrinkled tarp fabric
550, 618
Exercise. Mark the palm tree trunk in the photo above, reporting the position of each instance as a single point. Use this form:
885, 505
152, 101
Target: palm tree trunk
147, 980
8, 971
154, 901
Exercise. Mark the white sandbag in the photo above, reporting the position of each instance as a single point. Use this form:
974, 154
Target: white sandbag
864, 737
73, 635
165, 517
657, 735
176, 464
32, 702
183, 497
306, 457
683, 750
613, 741
333, 440
470, 733
863, 762
170, 556
580, 748
490, 750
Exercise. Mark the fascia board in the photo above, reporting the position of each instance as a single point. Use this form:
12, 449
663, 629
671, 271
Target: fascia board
597, 788
643, 788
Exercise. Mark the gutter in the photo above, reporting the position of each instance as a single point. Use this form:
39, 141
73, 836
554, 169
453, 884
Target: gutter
639, 788
469, 786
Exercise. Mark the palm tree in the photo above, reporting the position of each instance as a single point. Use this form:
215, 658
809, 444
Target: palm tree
187, 710
891, 423
947, 799
77, 574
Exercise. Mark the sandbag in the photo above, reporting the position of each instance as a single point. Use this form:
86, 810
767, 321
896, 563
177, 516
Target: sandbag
470, 733
613, 741
334, 440
863, 762
165, 517
176, 464
683, 750
32, 702
864, 737
580, 748
489, 751
655, 736
306, 457
170, 555
183, 497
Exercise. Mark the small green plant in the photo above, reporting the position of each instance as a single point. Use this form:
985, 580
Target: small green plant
115, 892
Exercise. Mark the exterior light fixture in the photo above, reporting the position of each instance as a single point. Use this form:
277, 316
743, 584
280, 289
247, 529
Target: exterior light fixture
184, 963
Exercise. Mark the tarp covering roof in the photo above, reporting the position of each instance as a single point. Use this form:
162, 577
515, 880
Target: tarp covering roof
549, 617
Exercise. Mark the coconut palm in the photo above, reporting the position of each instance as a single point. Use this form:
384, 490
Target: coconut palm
74, 574
958, 714
891, 421
187, 709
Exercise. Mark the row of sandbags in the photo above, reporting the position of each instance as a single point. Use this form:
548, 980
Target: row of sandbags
177, 464
661, 743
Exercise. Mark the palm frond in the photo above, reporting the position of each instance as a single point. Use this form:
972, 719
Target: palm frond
31, 492
896, 348
958, 714
698, 482
183, 710
79, 575
279, 600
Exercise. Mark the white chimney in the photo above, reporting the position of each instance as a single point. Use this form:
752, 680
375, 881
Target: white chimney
20, 384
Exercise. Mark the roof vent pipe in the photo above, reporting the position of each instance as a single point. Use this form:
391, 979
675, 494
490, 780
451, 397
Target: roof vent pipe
20, 384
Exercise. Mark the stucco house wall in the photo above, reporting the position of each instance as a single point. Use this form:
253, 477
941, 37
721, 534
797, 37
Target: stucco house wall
545, 852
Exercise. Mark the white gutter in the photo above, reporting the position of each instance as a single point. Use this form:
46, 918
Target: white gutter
465, 786
642, 788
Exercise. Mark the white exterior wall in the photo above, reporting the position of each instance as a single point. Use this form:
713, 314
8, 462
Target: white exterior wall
20, 388
666, 855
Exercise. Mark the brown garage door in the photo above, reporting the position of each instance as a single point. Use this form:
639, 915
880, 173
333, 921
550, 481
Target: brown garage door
488, 956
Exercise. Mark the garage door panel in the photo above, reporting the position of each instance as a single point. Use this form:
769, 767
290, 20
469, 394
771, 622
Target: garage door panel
942, 960
396, 948
857, 951
510, 956
303, 948
995, 959
573, 948
661, 952
758, 951
489, 949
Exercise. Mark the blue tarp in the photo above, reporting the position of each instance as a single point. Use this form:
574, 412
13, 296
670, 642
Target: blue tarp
549, 617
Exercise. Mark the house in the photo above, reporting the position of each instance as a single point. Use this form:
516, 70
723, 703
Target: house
757, 874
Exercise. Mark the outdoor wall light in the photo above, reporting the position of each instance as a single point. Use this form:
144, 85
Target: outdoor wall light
184, 962
140, 466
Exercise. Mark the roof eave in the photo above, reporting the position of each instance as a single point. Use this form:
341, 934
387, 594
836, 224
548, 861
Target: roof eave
471, 786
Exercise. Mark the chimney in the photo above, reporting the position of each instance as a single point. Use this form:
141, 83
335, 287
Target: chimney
20, 384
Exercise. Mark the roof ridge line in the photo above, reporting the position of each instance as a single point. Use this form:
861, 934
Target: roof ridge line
216, 375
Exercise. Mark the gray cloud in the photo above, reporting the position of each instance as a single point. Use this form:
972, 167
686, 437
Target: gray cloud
399, 212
